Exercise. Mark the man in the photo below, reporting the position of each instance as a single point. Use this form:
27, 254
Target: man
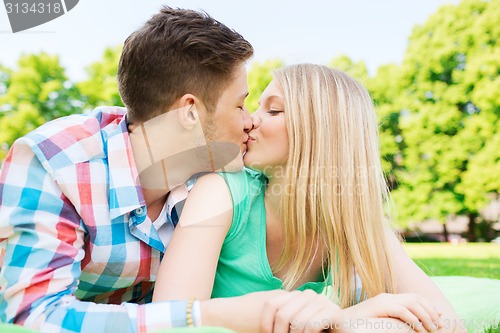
83, 212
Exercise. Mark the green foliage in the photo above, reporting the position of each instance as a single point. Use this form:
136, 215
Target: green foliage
439, 112
385, 89
14, 125
482, 175
357, 70
448, 103
36, 92
101, 87
259, 76
40, 80
494, 329
5, 75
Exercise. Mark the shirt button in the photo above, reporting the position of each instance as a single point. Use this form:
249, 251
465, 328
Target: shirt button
139, 211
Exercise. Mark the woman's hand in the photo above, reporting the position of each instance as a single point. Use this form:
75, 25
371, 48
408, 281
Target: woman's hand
299, 311
411, 279
413, 310
309, 312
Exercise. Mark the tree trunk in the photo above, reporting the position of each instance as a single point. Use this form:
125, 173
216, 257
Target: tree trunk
471, 234
445, 233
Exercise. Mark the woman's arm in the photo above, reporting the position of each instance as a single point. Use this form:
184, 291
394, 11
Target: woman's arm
413, 310
188, 267
411, 279
242, 314
280, 311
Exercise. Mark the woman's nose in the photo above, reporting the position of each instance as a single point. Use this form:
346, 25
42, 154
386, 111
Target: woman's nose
255, 119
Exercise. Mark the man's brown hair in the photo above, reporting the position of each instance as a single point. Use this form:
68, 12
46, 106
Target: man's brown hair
178, 51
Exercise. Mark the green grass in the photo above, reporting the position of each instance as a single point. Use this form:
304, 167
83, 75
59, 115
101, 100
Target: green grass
442, 259
471, 259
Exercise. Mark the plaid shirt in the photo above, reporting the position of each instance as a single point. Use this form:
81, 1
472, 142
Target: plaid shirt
79, 253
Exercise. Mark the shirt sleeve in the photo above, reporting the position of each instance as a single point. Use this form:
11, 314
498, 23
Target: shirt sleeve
42, 242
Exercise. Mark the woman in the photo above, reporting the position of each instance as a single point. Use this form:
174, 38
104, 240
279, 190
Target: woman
308, 214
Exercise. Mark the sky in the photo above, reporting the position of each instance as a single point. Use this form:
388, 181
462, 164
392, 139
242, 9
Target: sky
316, 31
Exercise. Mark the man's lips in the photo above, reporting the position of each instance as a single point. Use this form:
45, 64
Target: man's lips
244, 145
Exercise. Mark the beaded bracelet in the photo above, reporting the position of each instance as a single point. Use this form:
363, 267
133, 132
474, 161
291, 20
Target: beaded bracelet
189, 313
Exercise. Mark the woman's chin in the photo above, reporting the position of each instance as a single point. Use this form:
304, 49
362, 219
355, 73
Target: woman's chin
252, 164
247, 160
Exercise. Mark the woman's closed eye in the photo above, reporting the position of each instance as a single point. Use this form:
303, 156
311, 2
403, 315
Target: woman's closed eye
275, 112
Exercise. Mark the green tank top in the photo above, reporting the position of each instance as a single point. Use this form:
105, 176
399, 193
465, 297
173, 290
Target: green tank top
243, 266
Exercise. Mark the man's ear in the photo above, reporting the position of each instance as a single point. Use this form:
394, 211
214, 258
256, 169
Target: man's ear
188, 114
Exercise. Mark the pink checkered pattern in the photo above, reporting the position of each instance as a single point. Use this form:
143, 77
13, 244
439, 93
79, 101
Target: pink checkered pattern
78, 253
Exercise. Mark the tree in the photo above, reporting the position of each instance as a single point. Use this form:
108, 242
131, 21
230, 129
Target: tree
36, 92
449, 109
5, 75
385, 89
357, 70
101, 87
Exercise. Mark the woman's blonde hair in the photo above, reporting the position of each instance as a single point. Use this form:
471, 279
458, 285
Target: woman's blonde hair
336, 181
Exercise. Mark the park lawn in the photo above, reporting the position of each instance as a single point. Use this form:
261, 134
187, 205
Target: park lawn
471, 259
444, 259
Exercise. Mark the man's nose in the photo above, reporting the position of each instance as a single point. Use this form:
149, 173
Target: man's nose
247, 121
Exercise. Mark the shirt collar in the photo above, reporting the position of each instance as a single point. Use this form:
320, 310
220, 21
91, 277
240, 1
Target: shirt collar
125, 192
